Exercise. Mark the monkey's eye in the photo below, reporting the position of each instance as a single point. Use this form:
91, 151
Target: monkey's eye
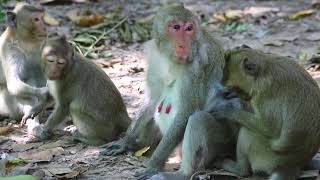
189, 28
176, 27
51, 58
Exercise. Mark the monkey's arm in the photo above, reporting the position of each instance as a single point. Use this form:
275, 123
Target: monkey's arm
14, 75
44, 131
246, 119
57, 116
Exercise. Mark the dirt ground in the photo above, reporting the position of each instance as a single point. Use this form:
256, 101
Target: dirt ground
270, 31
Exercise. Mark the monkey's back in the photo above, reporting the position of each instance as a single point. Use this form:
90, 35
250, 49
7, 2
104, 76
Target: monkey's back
96, 96
290, 102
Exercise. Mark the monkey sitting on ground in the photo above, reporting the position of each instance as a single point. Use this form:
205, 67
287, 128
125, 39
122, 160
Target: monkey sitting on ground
185, 68
22, 83
81, 89
282, 133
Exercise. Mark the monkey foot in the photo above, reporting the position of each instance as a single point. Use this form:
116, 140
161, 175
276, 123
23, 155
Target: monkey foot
115, 148
41, 132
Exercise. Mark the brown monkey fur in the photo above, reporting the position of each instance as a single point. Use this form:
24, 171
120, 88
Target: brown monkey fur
185, 68
22, 83
81, 89
282, 133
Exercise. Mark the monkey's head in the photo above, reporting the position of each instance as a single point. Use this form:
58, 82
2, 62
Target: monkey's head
57, 57
174, 30
244, 68
27, 21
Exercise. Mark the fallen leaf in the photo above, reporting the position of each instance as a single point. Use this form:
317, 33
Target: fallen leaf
48, 19
301, 14
5, 130
259, 11
84, 20
25, 147
219, 17
142, 151
234, 14
54, 1
90, 20
42, 156
108, 63
59, 170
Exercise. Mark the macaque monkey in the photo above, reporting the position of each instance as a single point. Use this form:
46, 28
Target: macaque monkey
282, 132
22, 83
81, 89
185, 68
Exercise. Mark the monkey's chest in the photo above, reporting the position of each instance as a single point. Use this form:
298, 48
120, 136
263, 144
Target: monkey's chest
167, 109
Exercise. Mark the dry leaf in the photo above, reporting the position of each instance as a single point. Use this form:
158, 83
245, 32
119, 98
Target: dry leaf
219, 17
48, 19
90, 20
59, 170
258, 11
234, 14
5, 130
84, 20
41, 156
301, 14
142, 151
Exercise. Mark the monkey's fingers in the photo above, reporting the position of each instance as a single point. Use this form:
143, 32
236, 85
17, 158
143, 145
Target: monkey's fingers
114, 150
24, 119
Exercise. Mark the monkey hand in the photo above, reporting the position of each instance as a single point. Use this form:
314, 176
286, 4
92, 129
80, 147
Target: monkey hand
147, 174
44, 94
35, 111
41, 132
115, 147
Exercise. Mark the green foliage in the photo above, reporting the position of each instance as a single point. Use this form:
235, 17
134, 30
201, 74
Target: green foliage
234, 26
2, 15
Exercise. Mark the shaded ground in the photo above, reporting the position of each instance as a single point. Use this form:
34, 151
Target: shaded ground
270, 31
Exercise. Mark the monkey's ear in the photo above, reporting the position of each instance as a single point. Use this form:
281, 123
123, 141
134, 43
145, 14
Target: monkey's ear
251, 67
11, 19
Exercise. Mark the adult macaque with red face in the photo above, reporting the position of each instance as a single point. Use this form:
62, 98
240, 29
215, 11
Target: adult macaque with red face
22, 83
185, 68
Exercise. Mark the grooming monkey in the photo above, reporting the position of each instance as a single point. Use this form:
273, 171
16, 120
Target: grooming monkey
282, 133
185, 68
22, 83
81, 89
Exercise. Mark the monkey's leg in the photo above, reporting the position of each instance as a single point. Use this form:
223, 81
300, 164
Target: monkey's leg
285, 174
93, 131
9, 106
242, 165
204, 140
44, 131
87, 140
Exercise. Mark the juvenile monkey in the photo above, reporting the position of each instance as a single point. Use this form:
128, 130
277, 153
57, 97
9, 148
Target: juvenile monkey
185, 67
22, 83
81, 89
282, 133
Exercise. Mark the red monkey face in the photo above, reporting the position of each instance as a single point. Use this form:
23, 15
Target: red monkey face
181, 33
